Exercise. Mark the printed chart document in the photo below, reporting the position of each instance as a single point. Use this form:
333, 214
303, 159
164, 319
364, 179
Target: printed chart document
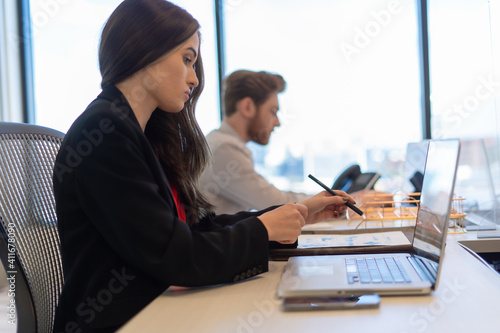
308, 241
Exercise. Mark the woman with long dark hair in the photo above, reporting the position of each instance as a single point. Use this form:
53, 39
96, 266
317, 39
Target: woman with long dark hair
131, 219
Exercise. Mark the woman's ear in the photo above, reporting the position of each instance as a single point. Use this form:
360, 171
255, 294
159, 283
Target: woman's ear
246, 107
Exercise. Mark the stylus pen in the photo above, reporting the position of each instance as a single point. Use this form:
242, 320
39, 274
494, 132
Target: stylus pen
329, 190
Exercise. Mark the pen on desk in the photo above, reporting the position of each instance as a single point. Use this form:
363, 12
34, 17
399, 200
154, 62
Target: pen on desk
329, 190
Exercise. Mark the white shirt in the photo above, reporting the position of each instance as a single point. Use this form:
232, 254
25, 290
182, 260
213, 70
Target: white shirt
231, 183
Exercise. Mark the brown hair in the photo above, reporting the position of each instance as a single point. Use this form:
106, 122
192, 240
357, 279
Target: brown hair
256, 85
138, 33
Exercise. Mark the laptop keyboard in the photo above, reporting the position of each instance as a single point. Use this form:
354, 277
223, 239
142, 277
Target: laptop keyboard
376, 270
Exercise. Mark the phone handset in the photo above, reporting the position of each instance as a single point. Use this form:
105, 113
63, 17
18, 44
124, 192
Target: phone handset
353, 180
346, 178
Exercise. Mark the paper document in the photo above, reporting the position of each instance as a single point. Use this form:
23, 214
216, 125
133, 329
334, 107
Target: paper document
364, 239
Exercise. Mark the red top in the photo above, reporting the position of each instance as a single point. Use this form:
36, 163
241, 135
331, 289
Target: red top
181, 212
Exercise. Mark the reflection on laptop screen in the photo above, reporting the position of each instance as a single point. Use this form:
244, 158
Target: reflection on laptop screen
435, 198
416, 153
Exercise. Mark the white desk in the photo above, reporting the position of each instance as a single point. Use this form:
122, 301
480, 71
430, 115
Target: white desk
466, 300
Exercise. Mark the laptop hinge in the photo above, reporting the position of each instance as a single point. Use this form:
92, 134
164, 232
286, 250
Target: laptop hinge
424, 269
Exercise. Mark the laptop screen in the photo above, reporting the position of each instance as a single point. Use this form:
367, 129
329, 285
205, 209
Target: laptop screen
435, 198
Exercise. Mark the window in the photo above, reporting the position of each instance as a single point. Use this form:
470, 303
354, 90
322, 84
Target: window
353, 94
465, 89
463, 84
66, 73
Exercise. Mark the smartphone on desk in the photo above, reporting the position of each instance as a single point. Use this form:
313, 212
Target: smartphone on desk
330, 302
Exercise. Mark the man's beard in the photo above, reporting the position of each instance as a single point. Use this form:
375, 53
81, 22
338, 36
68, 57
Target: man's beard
257, 132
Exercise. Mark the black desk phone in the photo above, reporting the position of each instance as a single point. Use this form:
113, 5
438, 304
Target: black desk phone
353, 180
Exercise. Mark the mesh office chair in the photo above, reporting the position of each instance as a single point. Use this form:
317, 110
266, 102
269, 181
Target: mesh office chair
30, 245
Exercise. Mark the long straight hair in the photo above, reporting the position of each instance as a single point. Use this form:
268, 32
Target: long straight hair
138, 33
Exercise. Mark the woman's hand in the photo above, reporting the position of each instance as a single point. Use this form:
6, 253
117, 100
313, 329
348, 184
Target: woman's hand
324, 206
284, 224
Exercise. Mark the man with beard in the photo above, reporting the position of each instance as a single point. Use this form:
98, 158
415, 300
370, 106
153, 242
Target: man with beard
251, 107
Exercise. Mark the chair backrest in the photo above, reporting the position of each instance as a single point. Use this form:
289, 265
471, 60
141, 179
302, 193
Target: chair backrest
30, 247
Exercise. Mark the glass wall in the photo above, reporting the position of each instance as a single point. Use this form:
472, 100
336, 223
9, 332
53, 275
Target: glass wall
353, 95
462, 77
65, 38
464, 48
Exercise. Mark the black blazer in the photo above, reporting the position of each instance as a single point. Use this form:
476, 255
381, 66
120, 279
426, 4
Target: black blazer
121, 240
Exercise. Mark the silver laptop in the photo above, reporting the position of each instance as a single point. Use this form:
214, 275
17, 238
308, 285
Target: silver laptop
411, 273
